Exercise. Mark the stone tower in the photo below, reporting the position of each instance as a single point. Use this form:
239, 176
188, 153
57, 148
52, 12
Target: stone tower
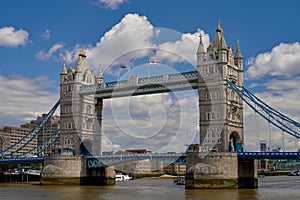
80, 132
221, 110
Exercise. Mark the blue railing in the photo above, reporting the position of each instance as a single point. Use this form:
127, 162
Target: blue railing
136, 86
269, 155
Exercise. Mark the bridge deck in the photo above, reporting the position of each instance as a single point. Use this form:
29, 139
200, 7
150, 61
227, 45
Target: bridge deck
163, 157
139, 86
269, 155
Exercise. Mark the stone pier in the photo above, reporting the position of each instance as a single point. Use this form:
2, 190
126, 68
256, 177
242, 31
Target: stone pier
72, 170
219, 170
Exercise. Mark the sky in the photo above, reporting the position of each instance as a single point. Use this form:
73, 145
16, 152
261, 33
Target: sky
37, 36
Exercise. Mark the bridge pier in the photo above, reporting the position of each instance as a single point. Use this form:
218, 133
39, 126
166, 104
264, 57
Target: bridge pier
72, 170
248, 173
219, 170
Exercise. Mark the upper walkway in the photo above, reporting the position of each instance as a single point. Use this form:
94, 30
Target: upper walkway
139, 86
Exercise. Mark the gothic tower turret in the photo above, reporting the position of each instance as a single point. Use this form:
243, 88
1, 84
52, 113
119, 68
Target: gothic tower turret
220, 109
200, 51
80, 132
238, 61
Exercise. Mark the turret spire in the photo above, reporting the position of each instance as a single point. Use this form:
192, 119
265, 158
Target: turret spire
219, 40
219, 28
82, 53
238, 51
200, 46
100, 76
64, 68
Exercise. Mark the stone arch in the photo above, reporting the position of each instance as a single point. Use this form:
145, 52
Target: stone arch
86, 147
89, 109
234, 142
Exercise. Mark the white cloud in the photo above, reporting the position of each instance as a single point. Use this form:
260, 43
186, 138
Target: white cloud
111, 4
43, 55
9, 37
128, 40
46, 35
23, 98
159, 122
134, 37
182, 50
282, 60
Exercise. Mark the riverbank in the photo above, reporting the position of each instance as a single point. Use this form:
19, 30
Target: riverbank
273, 173
10, 177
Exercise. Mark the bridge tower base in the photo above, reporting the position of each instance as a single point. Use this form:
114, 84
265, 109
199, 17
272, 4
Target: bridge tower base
219, 170
72, 170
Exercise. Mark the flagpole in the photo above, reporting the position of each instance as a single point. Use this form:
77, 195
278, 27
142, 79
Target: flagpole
118, 77
148, 72
151, 62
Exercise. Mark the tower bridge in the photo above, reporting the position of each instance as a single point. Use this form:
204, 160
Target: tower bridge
219, 162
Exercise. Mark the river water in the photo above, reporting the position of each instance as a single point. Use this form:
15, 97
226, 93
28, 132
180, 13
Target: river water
273, 188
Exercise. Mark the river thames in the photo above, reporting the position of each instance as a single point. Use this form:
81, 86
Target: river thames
273, 188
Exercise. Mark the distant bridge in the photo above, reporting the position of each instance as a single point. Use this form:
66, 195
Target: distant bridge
269, 155
107, 160
176, 158
22, 160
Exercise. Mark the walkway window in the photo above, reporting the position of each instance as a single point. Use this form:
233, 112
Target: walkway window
89, 124
89, 109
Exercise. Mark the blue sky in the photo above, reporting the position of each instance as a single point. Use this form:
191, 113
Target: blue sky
35, 36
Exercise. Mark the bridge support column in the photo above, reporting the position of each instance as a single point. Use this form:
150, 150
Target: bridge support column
248, 173
211, 170
72, 170
100, 176
219, 170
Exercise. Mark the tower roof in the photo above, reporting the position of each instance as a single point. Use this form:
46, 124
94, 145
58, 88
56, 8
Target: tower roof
82, 53
64, 68
238, 51
219, 28
99, 77
200, 46
219, 40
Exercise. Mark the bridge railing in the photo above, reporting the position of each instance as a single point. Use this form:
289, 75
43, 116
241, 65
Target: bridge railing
96, 161
136, 81
269, 155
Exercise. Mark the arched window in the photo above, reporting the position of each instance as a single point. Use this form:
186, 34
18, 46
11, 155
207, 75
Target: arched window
232, 95
89, 124
89, 109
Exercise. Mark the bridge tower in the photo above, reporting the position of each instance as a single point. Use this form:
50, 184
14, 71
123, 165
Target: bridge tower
80, 131
216, 164
221, 110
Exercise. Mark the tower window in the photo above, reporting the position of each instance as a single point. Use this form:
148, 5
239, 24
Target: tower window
207, 96
210, 70
89, 109
89, 124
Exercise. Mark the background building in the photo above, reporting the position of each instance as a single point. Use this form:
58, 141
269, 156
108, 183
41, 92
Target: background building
50, 127
175, 169
11, 136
